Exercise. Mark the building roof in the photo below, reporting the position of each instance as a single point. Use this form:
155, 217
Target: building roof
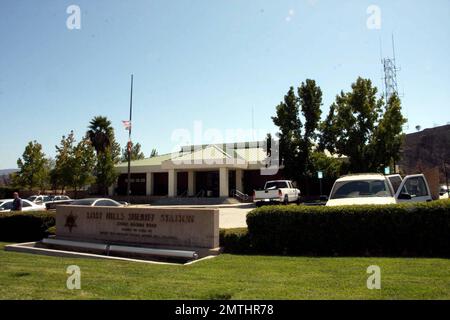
244, 155
203, 154
252, 154
155, 161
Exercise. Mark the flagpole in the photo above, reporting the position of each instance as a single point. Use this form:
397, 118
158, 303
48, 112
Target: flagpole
129, 141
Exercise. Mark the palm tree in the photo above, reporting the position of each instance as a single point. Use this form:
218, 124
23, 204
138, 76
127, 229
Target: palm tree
100, 133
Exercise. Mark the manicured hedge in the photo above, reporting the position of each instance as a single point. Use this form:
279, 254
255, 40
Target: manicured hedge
25, 226
235, 240
395, 230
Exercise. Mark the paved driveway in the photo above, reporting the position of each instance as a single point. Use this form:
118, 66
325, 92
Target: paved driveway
233, 217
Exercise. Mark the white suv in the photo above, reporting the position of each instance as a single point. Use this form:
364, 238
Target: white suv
364, 189
443, 193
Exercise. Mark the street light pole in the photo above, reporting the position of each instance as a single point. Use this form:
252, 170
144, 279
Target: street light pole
129, 141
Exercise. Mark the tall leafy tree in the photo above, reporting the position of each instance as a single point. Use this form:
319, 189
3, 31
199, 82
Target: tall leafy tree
388, 136
101, 135
44, 179
105, 173
289, 124
83, 163
310, 99
296, 137
358, 127
136, 153
331, 167
63, 172
328, 130
32, 167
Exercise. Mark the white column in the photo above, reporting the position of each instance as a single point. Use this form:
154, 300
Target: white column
172, 183
239, 177
223, 177
191, 183
149, 184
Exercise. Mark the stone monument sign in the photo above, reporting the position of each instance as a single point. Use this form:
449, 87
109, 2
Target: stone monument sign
159, 227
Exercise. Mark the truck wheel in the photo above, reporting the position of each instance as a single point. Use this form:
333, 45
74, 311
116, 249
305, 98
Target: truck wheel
286, 200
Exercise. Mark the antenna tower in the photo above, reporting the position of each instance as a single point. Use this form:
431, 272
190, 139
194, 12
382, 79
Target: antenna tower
390, 74
390, 83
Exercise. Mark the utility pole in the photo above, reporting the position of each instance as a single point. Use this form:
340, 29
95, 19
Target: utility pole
129, 145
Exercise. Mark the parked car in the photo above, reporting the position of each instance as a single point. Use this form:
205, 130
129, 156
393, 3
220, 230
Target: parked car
379, 189
97, 202
443, 192
58, 200
279, 191
38, 199
61, 198
6, 205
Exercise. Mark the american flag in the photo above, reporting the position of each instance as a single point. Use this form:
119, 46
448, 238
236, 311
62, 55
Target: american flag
126, 124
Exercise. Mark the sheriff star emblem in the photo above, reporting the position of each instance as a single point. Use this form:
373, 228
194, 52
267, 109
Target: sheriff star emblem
71, 222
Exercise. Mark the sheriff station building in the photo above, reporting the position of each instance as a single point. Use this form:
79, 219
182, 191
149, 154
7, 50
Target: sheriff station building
217, 170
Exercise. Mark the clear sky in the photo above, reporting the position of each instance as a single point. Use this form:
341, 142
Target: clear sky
204, 60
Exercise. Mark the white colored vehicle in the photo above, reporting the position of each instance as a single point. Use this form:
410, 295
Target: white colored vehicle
366, 189
60, 198
97, 202
443, 193
39, 199
7, 204
279, 191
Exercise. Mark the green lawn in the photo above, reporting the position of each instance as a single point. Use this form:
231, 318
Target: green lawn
25, 276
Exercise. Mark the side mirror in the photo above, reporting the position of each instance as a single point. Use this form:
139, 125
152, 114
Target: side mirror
404, 196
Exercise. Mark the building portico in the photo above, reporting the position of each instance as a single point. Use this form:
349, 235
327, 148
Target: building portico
208, 171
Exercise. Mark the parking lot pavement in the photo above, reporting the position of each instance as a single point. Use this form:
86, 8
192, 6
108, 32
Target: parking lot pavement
233, 217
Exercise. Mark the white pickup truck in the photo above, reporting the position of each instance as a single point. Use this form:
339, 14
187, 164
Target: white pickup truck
279, 191
364, 189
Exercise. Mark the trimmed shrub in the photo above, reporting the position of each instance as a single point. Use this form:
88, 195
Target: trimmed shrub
421, 229
51, 230
235, 240
25, 226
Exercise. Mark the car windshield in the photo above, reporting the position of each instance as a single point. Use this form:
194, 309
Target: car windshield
276, 185
83, 202
360, 189
32, 198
